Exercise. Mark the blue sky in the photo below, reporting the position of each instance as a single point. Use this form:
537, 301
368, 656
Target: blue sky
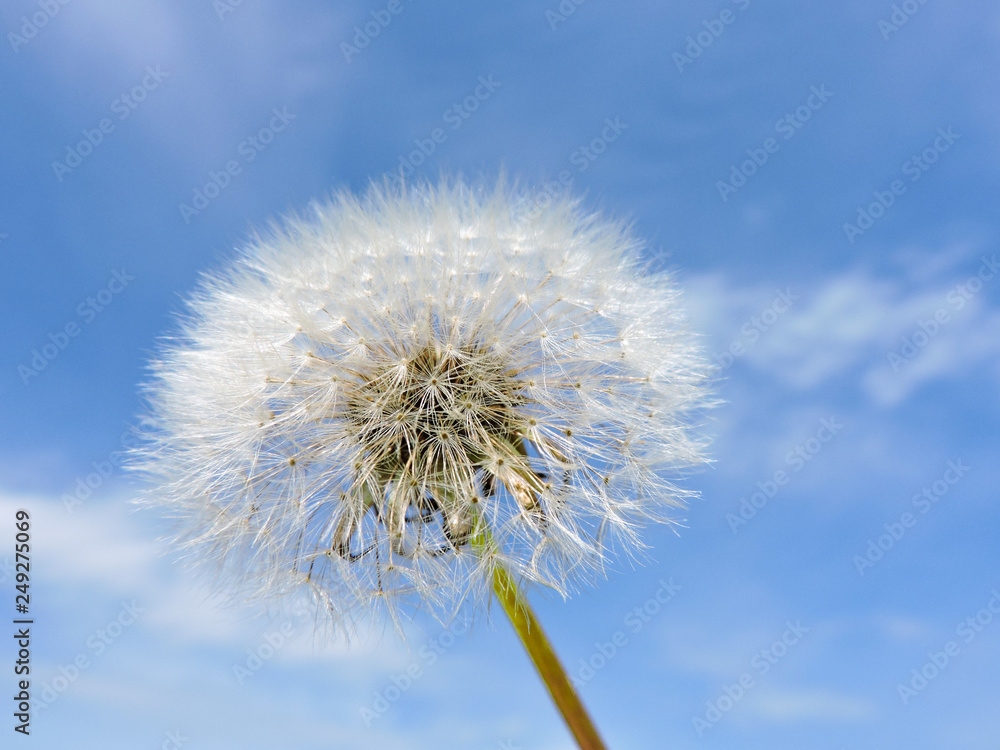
860, 364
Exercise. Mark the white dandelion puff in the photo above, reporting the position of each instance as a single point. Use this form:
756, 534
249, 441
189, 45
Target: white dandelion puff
369, 390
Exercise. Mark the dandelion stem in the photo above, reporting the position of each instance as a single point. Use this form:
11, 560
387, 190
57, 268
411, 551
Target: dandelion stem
529, 630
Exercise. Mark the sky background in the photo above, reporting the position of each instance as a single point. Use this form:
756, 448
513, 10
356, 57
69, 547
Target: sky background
860, 366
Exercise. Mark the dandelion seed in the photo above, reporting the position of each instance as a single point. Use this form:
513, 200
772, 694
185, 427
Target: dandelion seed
364, 393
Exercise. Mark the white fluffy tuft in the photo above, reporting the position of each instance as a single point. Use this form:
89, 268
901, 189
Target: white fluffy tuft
357, 402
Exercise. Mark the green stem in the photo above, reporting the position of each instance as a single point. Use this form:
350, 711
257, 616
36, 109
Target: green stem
529, 630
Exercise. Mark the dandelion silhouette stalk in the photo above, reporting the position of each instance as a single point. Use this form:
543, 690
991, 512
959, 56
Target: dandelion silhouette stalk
420, 397
544, 657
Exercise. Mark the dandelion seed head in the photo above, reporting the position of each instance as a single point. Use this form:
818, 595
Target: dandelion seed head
361, 395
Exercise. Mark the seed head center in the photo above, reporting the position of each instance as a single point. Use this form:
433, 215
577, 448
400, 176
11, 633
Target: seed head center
439, 430
439, 417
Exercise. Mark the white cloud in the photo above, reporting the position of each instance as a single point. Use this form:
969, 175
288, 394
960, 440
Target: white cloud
788, 705
903, 629
108, 554
103, 554
848, 325
213, 66
93, 545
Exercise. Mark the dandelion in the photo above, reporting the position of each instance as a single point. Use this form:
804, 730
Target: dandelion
425, 396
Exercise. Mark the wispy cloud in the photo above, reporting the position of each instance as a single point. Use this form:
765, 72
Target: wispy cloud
889, 334
783, 706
